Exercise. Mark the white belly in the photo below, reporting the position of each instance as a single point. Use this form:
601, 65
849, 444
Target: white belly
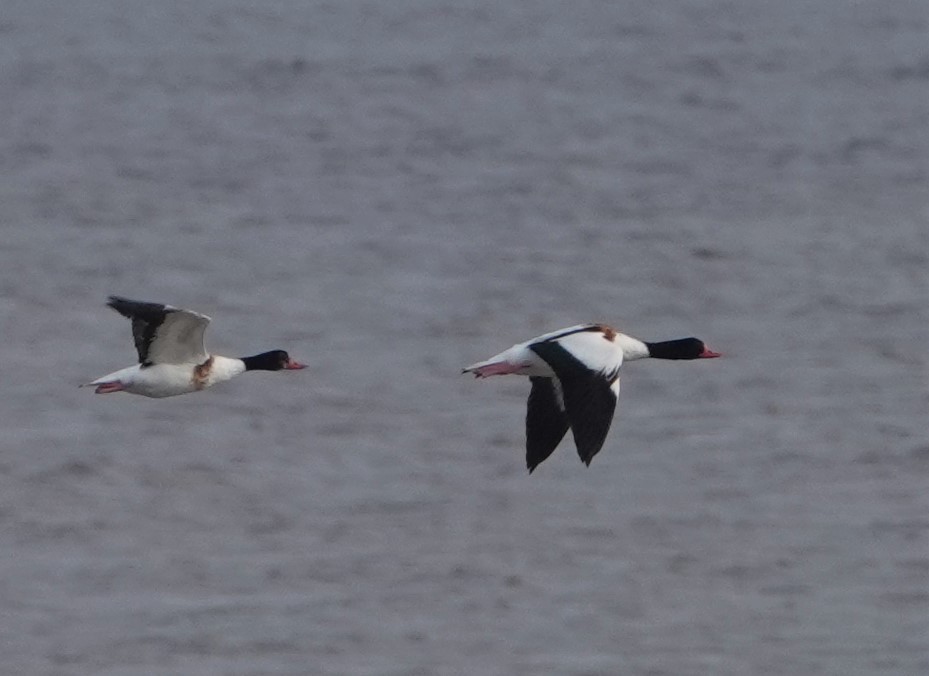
158, 380
168, 380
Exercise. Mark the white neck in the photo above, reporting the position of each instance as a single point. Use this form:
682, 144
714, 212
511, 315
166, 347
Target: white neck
632, 348
225, 368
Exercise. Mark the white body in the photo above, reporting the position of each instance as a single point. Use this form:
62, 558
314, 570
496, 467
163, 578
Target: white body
575, 385
575, 382
172, 356
173, 359
168, 380
591, 348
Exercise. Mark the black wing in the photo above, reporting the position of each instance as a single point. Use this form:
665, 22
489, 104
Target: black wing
589, 397
146, 318
546, 422
590, 405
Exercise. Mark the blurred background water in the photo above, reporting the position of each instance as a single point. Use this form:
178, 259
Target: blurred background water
393, 190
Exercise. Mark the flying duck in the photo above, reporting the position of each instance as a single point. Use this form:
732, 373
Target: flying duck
575, 382
172, 359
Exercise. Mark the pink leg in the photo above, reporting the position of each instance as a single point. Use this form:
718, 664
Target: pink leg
107, 388
500, 368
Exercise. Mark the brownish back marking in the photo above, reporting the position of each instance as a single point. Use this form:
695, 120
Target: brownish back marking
202, 373
608, 332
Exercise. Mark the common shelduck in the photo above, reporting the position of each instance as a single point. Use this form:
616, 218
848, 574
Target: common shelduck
172, 359
575, 382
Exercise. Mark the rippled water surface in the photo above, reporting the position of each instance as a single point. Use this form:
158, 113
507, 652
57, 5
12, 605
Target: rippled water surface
391, 191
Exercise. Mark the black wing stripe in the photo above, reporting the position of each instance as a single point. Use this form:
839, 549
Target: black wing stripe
565, 365
586, 328
589, 400
546, 422
146, 318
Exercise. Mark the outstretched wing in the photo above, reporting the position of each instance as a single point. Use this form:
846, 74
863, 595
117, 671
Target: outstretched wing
164, 334
589, 388
546, 422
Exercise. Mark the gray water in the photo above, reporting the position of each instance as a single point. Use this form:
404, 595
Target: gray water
393, 190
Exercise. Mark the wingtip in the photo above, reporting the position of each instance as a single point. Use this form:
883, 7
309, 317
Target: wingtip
113, 302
